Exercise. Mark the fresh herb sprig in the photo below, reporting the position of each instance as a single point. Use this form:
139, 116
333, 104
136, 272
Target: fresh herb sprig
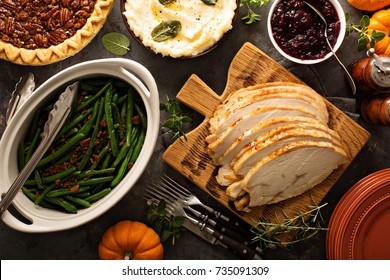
166, 226
362, 30
252, 16
176, 119
305, 225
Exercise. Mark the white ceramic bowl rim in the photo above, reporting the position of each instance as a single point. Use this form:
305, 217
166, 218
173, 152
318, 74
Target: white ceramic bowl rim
340, 39
46, 220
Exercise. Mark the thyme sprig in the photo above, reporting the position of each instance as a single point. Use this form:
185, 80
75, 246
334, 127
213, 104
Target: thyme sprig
176, 119
252, 16
305, 225
166, 226
362, 30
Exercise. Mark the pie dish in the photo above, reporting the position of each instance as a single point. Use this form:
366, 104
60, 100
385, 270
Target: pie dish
358, 228
43, 32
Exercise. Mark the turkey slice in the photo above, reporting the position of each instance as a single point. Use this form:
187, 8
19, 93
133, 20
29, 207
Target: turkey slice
291, 170
266, 144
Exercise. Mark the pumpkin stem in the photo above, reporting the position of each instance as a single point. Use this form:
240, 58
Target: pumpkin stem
128, 256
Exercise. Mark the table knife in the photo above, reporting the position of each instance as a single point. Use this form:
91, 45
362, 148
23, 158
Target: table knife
56, 119
217, 238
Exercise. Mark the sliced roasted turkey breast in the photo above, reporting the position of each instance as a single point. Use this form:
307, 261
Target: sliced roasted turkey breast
266, 129
262, 100
236, 98
247, 121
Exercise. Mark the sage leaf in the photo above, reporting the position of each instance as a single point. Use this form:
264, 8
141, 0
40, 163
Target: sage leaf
166, 30
210, 2
166, 2
116, 43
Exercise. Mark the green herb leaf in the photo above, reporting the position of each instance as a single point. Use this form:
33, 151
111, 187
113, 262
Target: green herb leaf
116, 43
252, 16
362, 29
210, 2
166, 30
176, 119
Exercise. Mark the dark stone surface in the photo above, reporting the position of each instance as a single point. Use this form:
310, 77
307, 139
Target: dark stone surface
170, 74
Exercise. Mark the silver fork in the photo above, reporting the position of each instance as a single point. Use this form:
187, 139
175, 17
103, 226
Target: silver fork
188, 198
174, 207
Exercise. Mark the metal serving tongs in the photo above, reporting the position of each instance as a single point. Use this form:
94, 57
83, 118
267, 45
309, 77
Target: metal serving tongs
24, 87
56, 119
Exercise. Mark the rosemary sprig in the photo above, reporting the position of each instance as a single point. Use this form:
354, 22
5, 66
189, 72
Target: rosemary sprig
176, 119
362, 30
305, 225
252, 16
166, 226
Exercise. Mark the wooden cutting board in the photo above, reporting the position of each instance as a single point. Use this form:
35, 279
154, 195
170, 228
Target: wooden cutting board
251, 66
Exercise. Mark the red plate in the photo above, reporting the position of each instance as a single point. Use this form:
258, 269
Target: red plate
360, 224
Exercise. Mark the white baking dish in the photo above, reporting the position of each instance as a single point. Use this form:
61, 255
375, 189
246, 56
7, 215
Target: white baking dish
46, 220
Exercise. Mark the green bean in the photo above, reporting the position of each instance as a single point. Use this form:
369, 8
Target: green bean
118, 120
21, 155
52, 178
98, 195
138, 147
91, 172
34, 125
95, 132
121, 100
95, 181
129, 115
38, 180
94, 98
78, 201
142, 115
125, 163
125, 148
89, 88
101, 155
33, 144
81, 195
63, 203
43, 194
73, 123
110, 123
65, 191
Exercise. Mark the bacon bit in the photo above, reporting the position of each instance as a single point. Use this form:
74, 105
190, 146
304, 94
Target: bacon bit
84, 143
84, 111
103, 123
83, 92
130, 165
122, 141
66, 184
96, 158
135, 120
36, 194
96, 142
58, 182
79, 100
74, 188
100, 134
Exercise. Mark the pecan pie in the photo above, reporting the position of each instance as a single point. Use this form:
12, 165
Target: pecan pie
40, 32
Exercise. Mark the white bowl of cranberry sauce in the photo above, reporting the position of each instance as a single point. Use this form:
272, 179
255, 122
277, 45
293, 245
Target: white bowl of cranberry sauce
298, 33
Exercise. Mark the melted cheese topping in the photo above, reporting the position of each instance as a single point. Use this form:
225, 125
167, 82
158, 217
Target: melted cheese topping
202, 25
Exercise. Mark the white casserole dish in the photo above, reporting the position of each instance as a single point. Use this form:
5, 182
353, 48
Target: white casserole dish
46, 220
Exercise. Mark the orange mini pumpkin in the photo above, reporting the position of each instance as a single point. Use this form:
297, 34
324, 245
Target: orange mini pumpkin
380, 21
129, 240
369, 5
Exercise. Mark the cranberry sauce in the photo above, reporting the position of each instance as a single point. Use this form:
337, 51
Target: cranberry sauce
299, 32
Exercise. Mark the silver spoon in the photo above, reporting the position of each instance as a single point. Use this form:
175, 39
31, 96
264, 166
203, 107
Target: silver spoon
350, 80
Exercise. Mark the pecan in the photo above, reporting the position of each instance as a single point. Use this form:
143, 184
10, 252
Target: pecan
65, 16
9, 5
9, 25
